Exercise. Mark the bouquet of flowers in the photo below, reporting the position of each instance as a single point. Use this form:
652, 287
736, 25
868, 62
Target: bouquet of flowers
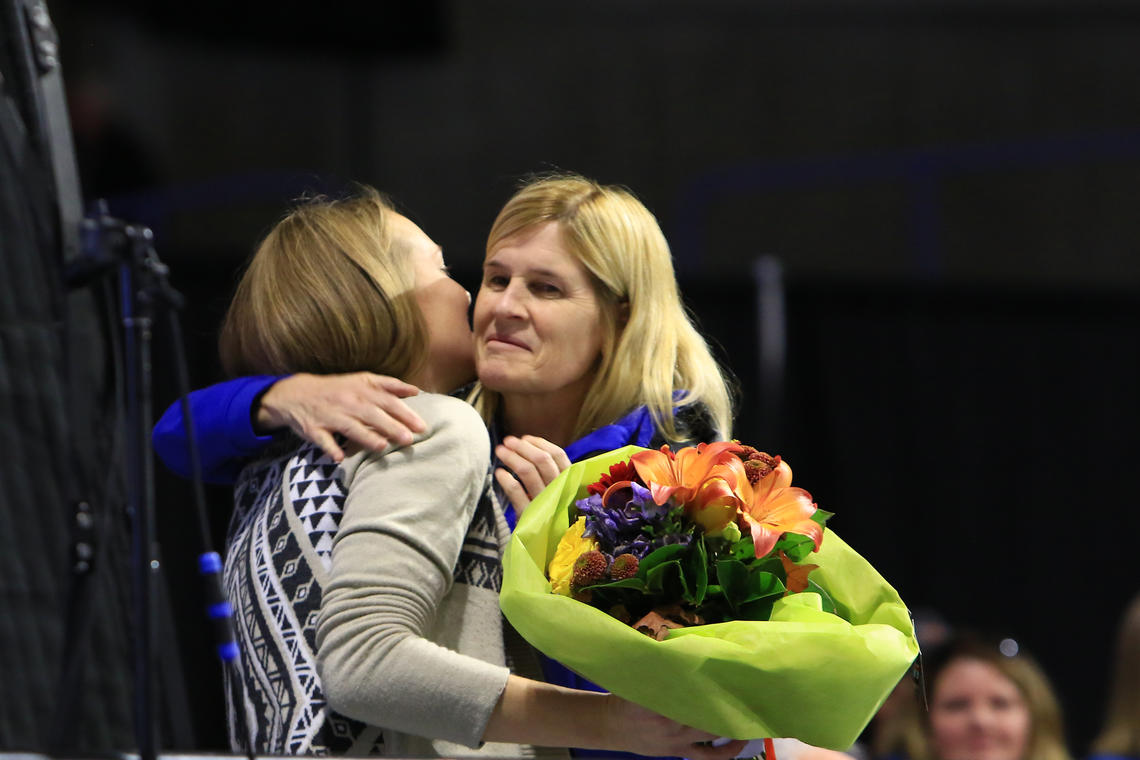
761, 622
659, 541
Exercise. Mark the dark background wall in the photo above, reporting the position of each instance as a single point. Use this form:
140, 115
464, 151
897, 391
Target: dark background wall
948, 186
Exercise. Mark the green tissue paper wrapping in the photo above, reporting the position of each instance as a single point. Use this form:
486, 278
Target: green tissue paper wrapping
804, 673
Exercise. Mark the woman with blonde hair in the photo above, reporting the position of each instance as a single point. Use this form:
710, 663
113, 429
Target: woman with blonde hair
638, 373
1119, 739
984, 704
581, 335
366, 590
582, 345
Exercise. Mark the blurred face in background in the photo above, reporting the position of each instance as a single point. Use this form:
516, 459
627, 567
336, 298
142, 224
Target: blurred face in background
977, 713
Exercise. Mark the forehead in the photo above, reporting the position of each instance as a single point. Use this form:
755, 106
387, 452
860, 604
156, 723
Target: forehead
535, 250
972, 676
409, 234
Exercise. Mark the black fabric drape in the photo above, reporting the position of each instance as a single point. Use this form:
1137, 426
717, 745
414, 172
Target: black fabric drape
56, 445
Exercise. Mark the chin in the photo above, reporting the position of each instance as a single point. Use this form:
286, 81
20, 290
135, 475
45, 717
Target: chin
494, 379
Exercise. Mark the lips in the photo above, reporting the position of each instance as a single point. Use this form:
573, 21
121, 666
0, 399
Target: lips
499, 338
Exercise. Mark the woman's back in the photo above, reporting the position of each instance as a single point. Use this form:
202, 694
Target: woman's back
433, 548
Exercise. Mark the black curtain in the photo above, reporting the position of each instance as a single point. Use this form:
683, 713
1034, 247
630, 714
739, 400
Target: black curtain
57, 447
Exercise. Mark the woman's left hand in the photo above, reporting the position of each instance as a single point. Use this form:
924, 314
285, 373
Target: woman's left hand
534, 462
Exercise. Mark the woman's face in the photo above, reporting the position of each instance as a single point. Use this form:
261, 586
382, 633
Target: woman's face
976, 713
538, 320
450, 361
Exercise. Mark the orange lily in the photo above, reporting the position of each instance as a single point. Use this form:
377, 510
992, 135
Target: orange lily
772, 507
700, 478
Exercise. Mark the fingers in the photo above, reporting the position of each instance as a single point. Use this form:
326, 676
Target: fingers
534, 461
379, 426
513, 490
380, 406
554, 451
392, 385
365, 437
649, 733
328, 445
366, 408
398, 417
704, 751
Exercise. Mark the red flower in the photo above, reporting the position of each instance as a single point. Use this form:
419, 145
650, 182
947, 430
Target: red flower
619, 472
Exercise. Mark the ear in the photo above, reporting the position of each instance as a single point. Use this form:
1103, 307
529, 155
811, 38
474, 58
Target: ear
623, 314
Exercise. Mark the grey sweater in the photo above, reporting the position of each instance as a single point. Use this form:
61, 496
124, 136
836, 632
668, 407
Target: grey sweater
367, 597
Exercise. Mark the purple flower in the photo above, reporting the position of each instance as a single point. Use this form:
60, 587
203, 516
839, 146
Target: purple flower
629, 522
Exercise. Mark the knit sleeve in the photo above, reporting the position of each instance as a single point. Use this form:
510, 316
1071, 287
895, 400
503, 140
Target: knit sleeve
405, 519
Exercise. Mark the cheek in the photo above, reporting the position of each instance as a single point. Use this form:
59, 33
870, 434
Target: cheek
481, 314
1018, 727
945, 726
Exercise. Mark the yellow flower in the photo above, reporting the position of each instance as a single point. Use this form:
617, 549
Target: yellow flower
572, 545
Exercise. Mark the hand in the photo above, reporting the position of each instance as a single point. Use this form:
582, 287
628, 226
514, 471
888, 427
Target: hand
534, 461
363, 407
651, 734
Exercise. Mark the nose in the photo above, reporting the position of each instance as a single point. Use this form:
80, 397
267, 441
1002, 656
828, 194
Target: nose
509, 301
981, 716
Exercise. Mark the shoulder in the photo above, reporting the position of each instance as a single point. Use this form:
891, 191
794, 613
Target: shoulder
447, 416
694, 424
455, 436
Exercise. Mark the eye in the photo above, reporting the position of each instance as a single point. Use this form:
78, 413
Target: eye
545, 289
446, 270
954, 705
1002, 703
495, 281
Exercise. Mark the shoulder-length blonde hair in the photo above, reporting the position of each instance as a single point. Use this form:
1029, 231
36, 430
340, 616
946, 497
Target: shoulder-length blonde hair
1121, 732
1046, 731
651, 352
328, 290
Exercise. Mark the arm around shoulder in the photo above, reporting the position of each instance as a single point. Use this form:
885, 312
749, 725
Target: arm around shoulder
222, 425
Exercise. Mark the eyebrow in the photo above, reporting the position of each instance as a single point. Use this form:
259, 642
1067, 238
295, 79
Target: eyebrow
533, 272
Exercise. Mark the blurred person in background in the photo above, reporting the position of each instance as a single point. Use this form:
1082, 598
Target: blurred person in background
1119, 739
987, 701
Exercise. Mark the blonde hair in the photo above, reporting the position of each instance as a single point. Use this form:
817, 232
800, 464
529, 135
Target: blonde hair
1046, 732
1121, 732
328, 290
651, 352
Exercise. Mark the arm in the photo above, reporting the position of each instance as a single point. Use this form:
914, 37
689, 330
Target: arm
554, 716
405, 521
235, 420
406, 516
222, 426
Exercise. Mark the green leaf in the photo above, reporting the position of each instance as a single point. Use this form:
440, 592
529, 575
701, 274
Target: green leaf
744, 549
732, 576
763, 585
821, 516
797, 547
657, 557
658, 577
696, 575
768, 564
633, 583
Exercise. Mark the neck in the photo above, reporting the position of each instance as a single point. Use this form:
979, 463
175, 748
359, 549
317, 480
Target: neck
552, 418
